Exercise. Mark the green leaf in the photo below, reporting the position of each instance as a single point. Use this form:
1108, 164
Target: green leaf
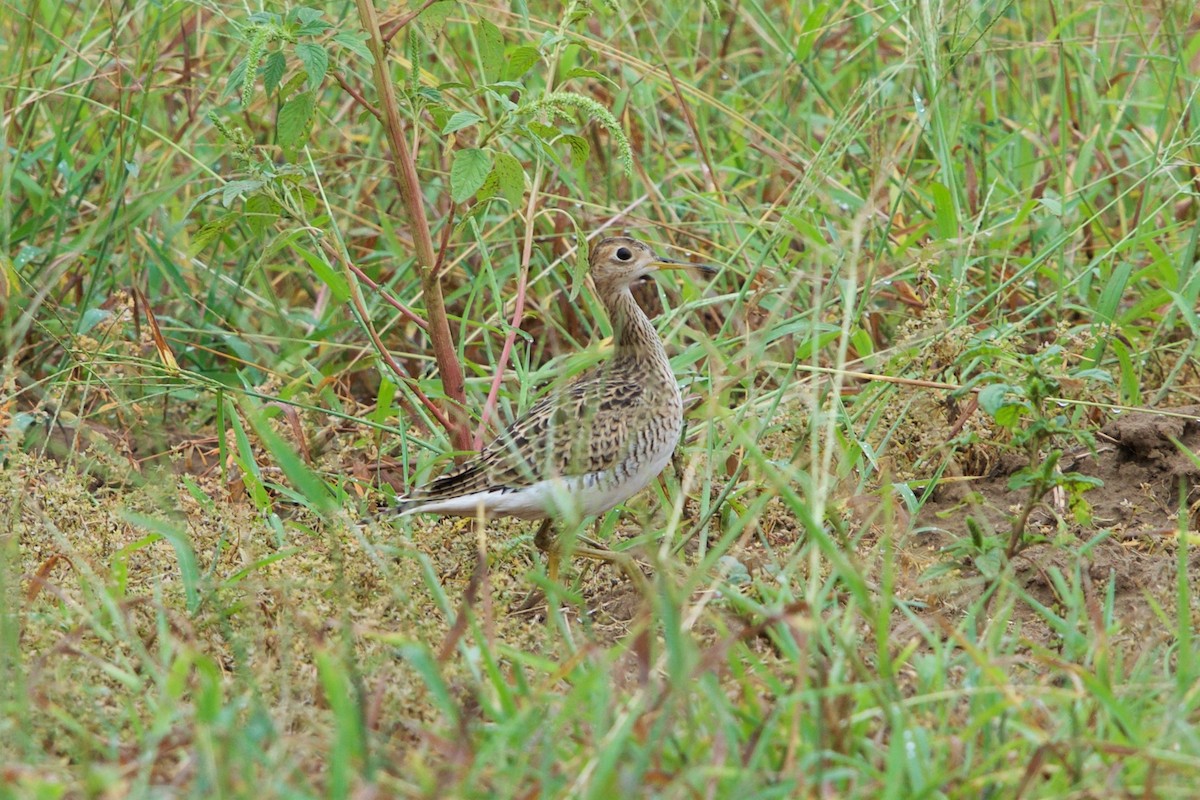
944, 212
491, 185
433, 19
189, 569
461, 119
511, 177
1010, 415
356, 43
273, 70
1052, 204
542, 130
520, 60
418, 656
1110, 297
580, 150
581, 259
990, 563
261, 211
491, 50
991, 398
348, 746
93, 317
294, 119
305, 15
316, 62
468, 172
293, 84
1097, 375
211, 231
468, 220
580, 72
329, 276
235, 189
313, 29
309, 486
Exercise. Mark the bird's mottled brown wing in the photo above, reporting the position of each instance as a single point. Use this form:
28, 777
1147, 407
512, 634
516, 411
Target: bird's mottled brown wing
580, 429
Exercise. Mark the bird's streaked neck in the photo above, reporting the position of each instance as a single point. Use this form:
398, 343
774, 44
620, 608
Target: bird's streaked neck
634, 334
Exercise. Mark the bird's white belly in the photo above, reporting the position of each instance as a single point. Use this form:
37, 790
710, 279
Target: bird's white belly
568, 496
595, 494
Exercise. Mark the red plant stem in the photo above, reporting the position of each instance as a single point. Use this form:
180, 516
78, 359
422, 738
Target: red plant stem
522, 281
404, 310
414, 202
384, 354
490, 405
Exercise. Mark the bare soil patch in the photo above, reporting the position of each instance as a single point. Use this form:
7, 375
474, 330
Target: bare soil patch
1128, 548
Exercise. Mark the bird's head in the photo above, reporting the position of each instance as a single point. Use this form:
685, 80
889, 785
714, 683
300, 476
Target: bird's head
616, 263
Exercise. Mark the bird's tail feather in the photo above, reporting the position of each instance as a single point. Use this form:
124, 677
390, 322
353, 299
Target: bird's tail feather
464, 480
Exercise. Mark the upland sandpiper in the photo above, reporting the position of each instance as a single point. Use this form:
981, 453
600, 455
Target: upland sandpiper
589, 445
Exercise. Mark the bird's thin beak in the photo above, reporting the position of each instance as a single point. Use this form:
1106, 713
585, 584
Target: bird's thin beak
670, 263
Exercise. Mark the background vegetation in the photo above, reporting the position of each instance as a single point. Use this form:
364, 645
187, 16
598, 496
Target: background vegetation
260, 269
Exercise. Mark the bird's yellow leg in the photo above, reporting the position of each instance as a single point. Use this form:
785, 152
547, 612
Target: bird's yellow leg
625, 563
544, 540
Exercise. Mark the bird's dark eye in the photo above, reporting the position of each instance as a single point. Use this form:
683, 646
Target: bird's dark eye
624, 254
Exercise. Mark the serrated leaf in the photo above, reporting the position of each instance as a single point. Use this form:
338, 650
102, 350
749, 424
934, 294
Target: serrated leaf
210, 231
313, 28
542, 130
511, 177
235, 189
305, 15
491, 49
433, 19
468, 172
461, 119
356, 43
520, 60
465, 221
293, 83
294, 117
491, 185
316, 62
261, 211
580, 150
273, 70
